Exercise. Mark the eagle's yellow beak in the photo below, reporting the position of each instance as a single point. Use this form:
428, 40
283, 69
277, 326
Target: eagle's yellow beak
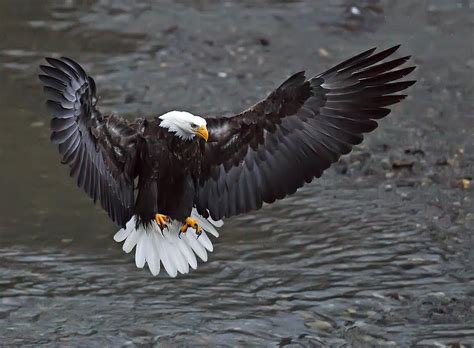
203, 133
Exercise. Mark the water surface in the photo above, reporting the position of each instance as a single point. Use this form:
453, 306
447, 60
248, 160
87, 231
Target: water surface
366, 256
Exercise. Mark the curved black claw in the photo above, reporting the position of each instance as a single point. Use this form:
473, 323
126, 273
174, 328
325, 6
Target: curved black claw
196, 228
198, 231
162, 229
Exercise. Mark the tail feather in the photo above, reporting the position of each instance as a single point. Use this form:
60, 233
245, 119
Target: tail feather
155, 247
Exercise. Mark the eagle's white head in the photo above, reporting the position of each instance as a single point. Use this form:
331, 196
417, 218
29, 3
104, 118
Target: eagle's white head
184, 125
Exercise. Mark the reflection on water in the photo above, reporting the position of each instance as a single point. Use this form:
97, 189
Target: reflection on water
367, 256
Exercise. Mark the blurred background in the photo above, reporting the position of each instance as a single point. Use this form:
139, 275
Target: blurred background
376, 253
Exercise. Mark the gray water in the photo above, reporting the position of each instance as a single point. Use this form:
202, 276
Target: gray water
368, 255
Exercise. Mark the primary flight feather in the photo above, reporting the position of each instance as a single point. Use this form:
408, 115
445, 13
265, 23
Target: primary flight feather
169, 179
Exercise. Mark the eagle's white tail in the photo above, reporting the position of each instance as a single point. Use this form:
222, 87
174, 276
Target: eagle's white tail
175, 254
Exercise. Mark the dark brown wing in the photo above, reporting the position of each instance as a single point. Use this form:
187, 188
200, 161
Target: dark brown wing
99, 149
270, 150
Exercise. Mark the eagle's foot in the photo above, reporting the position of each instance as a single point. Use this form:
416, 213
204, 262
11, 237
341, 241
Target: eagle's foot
190, 222
162, 221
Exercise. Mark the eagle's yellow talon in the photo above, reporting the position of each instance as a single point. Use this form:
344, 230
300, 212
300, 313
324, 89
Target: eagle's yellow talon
190, 222
162, 220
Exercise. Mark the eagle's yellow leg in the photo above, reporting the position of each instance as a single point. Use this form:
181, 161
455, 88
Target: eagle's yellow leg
190, 222
162, 220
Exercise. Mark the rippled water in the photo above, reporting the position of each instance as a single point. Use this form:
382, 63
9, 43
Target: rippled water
366, 256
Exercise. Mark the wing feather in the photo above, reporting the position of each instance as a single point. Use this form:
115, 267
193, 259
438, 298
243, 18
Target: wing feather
86, 139
271, 149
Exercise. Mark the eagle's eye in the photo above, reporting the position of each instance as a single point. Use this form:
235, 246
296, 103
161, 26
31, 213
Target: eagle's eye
194, 125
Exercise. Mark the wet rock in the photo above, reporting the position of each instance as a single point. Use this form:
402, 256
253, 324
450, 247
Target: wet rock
464, 183
399, 164
414, 151
438, 297
456, 345
263, 41
351, 311
395, 296
320, 325
87, 332
285, 341
355, 10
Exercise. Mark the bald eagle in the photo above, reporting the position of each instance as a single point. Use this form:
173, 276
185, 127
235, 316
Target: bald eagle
169, 179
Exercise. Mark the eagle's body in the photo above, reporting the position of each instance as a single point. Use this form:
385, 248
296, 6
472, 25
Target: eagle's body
169, 179
168, 171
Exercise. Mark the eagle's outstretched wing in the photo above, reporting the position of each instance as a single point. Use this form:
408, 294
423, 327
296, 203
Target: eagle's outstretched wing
101, 150
270, 150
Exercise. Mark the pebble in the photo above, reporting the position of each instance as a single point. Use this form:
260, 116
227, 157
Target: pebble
355, 11
351, 310
263, 41
398, 164
323, 52
321, 325
466, 183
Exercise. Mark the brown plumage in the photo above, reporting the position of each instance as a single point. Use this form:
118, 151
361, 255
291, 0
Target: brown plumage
270, 150
262, 154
